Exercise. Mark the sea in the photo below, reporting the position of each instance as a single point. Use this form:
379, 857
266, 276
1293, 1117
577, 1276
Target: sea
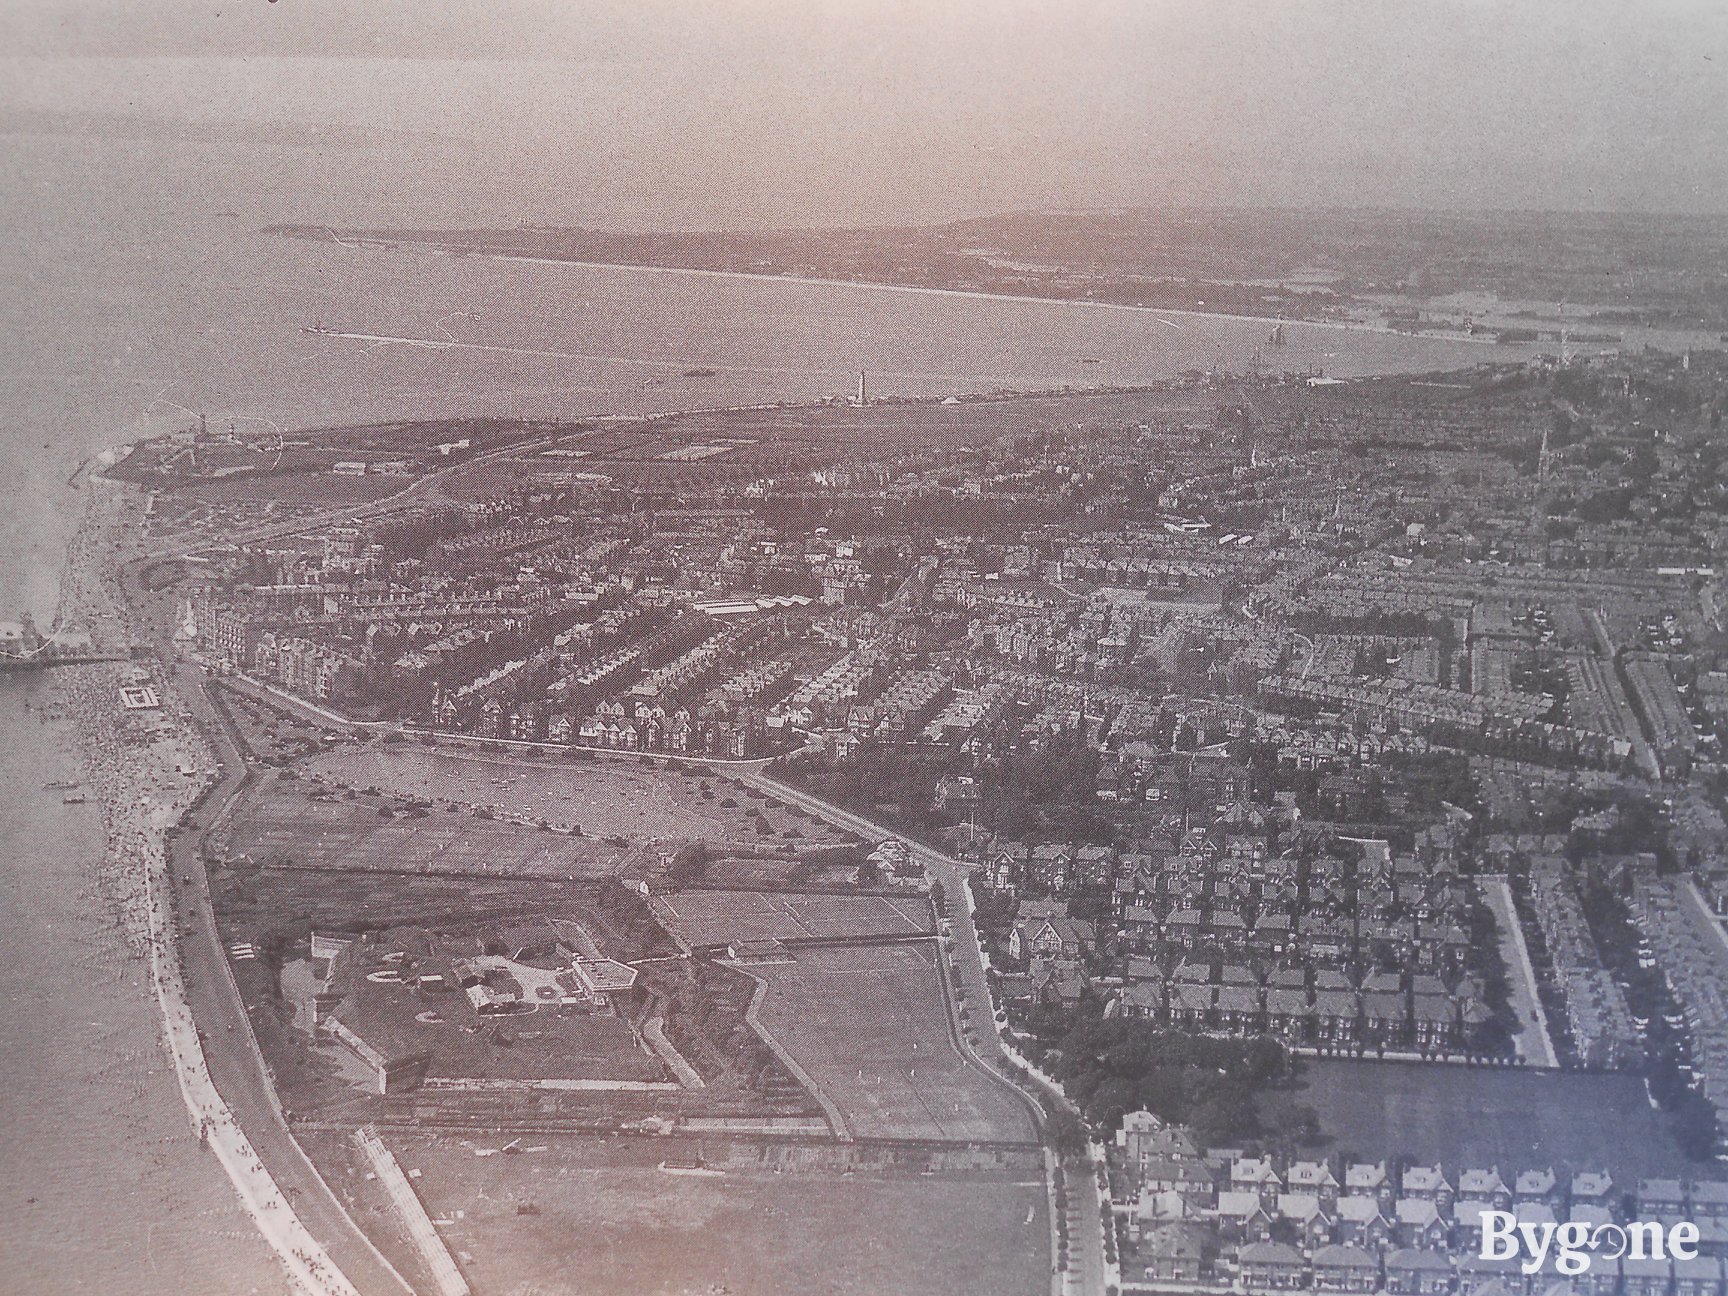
141, 294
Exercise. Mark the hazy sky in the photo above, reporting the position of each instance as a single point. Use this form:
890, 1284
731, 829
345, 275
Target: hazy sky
874, 111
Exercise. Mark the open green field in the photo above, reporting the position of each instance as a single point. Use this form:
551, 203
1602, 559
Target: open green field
705, 918
603, 1225
602, 797
287, 822
676, 449
905, 426
870, 1025
261, 904
1468, 1116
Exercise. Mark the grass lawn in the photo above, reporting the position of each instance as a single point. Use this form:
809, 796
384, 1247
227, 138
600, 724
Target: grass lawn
613, 1229
870, 1025
1515, 1119
602, 797
717, 917
294, 823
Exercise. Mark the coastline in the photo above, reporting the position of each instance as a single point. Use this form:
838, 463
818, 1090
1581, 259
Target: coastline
144, 791
374, 244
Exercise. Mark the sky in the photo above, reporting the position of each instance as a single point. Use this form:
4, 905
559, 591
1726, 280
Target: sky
774, 112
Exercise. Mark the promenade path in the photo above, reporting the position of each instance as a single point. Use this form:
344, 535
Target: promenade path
259, 1193
231, 1068
413, 1214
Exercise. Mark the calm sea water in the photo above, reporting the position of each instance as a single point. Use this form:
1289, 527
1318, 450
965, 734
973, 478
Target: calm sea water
103, 1184
140, 292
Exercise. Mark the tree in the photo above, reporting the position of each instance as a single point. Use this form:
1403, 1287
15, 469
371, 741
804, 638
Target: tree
687, 864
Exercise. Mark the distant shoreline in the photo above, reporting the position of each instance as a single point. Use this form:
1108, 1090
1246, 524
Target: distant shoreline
374, 243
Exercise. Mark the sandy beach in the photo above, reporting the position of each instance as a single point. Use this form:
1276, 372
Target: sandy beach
144, 771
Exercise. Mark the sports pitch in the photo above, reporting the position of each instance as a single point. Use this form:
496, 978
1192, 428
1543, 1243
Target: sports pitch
1471, 1116
703, 918
602, 797
596, 1225
283, 825
870, 1025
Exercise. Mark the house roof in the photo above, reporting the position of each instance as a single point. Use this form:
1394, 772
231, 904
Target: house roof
1237, 998
1233, 1204
1482, 1183
1176, 1241
1424, 1179
1195, 998
1153, 1207
1416, 1210
1705, 1267
1643, 1267
1253, 1170
1269, 1253
1299, 1206
1309, 1174
1535, 1181
1364, 1174
1344, 1256
1411, 1258
1661, 1190
1359, 1210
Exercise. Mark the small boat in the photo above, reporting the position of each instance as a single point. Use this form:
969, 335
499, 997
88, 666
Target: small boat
60, 785
1090, 360
700, 373
74, 798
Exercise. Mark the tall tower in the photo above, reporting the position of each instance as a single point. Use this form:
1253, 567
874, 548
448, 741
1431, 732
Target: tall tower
862, 399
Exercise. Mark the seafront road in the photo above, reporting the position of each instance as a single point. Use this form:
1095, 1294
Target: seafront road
235, 1069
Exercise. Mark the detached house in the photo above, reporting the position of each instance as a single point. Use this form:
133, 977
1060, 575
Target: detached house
1486, 1185
1054, 937
1417, 1222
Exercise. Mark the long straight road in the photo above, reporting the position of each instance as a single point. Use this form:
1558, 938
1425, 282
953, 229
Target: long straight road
1534, 1042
